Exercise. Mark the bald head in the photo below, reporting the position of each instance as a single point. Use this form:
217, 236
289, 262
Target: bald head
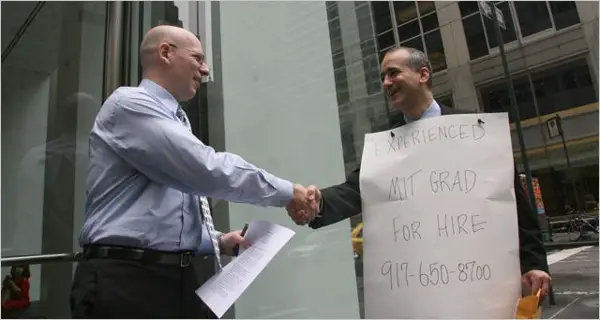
173, 58
171, 35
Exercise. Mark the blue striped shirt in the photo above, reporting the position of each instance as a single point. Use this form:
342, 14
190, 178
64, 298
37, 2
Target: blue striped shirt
147, 170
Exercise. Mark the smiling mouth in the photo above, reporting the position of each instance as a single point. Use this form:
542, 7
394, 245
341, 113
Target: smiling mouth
198, 80
393, 92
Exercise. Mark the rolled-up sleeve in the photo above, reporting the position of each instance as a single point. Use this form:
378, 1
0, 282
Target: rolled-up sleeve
140, 131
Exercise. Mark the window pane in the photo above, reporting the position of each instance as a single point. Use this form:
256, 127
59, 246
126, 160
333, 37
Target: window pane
426, 7
416, 43
533, 16
563, 87
496, 99
385, 40
468, 7
405, 11
435, 50
381, 16
446, 101
335, 35
524, 98
371, 67
347, 132
363, 18
338, 61
332, 10
508, 35
341, 85
48, 109
429, 22
564, 13
368, 48
409, 30
475, 36
584, 78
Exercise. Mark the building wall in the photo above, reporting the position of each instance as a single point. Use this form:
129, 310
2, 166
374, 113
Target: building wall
279, 112
464, 77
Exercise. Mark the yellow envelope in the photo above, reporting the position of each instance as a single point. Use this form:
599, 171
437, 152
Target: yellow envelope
528, 307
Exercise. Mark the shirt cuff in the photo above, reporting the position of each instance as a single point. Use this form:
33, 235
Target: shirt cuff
284, 191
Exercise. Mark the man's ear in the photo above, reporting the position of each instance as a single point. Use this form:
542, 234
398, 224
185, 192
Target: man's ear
163, 52
424, 75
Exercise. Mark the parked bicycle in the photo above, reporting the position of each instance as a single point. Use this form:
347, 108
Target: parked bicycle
580, 225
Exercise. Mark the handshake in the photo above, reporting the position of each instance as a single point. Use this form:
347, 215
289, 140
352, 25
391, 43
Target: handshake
305, 204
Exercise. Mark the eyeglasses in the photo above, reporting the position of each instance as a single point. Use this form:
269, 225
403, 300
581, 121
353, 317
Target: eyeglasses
199, 57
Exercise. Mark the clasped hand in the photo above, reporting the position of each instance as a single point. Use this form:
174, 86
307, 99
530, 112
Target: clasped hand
305, 204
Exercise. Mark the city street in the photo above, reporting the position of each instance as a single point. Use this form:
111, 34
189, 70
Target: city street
575, 278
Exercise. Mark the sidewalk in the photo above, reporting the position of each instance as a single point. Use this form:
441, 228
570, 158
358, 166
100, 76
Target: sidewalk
575, 280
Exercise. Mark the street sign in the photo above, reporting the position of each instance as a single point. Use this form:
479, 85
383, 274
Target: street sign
486, 10
553, 125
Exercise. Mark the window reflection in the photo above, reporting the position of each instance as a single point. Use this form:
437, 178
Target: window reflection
332, 10
563, 87
409, 30
426, 7
566, 86
475, 35
429, 22
385, 40
417, 23
335, 34
368, 48
435, 50
533, 17
416, 43
564, 13
341, 84
447, 101
363, 19
404, 11
381, 16
48, 108
468, 7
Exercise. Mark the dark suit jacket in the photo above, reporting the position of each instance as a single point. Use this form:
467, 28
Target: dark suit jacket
343, 201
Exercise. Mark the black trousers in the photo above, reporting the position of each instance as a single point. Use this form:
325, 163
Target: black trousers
106, 288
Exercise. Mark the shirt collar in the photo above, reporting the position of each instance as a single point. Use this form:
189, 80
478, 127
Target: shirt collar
161, 93
434, 110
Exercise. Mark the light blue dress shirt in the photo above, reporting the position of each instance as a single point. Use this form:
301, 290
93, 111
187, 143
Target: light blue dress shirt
147, 170
434, 110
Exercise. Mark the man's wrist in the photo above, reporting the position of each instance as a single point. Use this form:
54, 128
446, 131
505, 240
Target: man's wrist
219, 236
321, 204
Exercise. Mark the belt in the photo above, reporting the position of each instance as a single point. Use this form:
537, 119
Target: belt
183, 259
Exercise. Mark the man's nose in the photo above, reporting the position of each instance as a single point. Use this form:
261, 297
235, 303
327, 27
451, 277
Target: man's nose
204, 69
386, 82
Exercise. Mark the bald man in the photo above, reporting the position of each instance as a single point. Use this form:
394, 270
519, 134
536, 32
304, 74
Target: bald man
146, 214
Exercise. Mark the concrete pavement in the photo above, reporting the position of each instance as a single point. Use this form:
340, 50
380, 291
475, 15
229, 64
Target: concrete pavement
575, 279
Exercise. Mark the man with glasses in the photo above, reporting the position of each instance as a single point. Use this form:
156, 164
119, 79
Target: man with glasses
146, 213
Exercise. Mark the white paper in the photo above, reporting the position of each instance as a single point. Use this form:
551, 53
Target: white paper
224, 288
440, 222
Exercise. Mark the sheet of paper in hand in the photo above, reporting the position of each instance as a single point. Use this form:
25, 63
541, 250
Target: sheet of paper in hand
440, 221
